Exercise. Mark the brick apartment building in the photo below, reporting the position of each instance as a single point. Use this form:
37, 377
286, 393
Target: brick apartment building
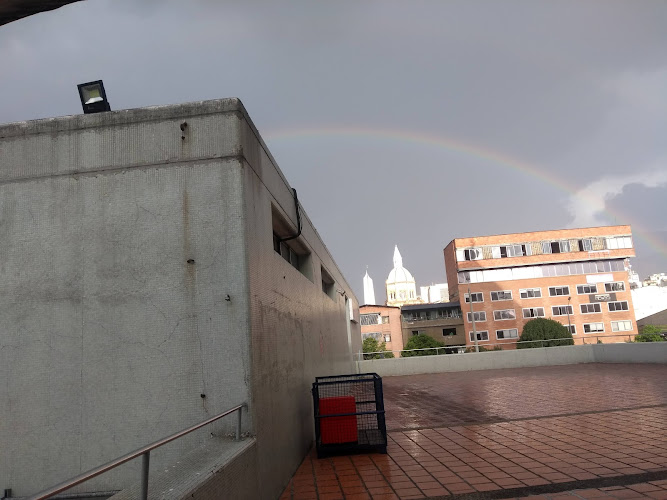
383, 323
575, 276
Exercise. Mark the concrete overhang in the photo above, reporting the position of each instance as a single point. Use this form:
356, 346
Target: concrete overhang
13, 10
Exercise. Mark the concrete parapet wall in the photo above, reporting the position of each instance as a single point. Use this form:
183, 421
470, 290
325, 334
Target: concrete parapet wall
635, 352
548, 356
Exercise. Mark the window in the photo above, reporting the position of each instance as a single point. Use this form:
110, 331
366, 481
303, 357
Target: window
418, 332
385, 320
540, 271
448, 332
511, 333
533, 312
476, 297
472, 254
369, 319
614, 243
561, 310
372, 335
590, 308
557, 291
621, 326
501, 295
585, 245
504, 314
617, 286
511, 251
327, 284
387, 337
294, 251
593, 327
481, 336
479, 316
530, 293
586, 289
572, 328
621, 305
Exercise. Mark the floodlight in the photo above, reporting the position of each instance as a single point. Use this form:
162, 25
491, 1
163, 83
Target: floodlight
93, 98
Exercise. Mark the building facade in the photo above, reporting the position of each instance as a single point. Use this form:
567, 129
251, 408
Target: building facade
577, 277
382, 323
158, 269
442, 321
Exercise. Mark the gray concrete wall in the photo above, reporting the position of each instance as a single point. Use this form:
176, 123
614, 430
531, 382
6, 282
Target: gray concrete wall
547, 356
298, 331
110, 335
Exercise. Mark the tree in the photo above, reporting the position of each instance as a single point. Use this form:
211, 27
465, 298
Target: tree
379, 350
548, 330
422, 341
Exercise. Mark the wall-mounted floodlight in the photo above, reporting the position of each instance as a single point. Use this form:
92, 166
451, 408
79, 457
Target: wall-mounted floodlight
93, 98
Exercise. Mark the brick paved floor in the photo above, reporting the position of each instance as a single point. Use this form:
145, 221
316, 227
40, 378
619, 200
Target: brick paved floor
493, 438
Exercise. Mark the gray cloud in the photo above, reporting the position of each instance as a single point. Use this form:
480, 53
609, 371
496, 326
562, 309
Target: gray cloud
566, 90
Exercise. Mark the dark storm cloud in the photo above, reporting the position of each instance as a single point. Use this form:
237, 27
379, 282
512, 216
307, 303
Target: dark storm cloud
569, 90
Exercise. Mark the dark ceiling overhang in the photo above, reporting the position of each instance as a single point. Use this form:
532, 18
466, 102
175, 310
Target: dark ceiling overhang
13, 10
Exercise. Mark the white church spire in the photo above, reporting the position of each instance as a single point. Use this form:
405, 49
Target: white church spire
369, 291
398, 260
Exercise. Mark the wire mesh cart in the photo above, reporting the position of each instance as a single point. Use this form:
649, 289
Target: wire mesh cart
349, 414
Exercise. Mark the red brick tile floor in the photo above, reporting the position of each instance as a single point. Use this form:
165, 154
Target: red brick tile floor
584, 431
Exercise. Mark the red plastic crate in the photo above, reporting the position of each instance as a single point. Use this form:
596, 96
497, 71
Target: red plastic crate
335, 430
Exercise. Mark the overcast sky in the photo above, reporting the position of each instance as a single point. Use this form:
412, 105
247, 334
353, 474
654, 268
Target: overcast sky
398, 122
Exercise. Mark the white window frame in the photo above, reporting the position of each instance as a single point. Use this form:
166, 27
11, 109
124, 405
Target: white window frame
581, 308
501, 312
616, 324
572, 328
387, 337
566, 306
612, 283
554, 288
485, 332
627, 306
526, 290
515, 336
480, 314
532, 308
466, 297
500, 291
595, 288
596, 331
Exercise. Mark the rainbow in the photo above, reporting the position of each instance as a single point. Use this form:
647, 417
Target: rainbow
460, 147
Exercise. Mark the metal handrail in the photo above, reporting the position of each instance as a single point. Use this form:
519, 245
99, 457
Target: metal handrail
144, 452
360, 355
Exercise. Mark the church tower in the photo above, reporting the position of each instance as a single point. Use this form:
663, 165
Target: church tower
401, 288
369, 291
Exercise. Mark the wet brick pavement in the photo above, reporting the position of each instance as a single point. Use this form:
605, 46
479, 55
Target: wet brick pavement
582, 431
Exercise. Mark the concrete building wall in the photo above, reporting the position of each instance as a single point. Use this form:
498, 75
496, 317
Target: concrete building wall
141, 294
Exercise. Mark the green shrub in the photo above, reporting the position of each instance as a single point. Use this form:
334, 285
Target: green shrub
548, 330
379, 350
649, 337
422, 341
651, 329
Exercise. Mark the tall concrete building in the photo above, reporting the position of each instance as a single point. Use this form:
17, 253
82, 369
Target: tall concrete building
157, 269
575, 276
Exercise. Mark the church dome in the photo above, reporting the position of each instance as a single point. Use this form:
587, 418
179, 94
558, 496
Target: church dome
399, 274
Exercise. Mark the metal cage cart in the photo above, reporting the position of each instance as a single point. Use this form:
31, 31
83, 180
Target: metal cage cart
349, 414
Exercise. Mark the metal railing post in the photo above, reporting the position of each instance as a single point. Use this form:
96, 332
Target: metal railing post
238, 424
145, 462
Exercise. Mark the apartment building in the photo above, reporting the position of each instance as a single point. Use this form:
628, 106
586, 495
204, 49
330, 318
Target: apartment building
383, 323
442, 321
577, 277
